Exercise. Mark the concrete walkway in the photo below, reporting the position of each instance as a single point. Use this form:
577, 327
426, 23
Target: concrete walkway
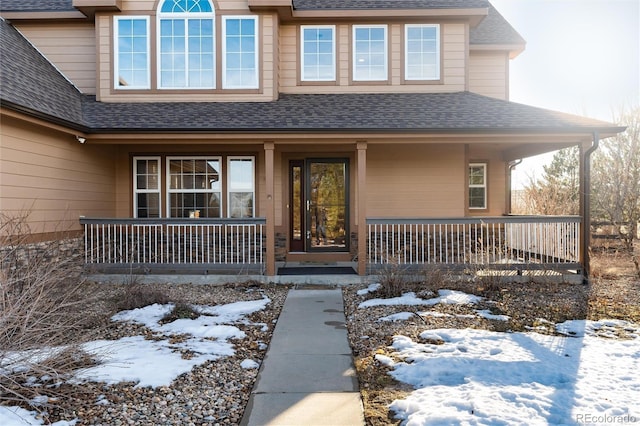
307, 377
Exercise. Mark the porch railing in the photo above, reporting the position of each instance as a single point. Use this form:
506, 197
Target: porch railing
516, 241
161, 243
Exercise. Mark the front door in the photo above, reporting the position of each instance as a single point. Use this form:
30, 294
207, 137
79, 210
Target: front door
319, 220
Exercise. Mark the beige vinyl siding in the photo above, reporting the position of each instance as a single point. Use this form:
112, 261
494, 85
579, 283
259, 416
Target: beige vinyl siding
415, 181
489, 74
496, 180
70, 47
453, 62
52, 176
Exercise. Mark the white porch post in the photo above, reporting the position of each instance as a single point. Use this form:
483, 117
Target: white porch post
270, 210
361, 205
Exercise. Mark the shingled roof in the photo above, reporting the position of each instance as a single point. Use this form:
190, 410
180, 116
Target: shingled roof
388, 4
32, 85
398, 112
37, 6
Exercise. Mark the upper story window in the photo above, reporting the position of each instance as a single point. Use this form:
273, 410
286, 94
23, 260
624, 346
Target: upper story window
478, 186
318, 56
131, 56
240, 55
186, 47
370, 53
422, 52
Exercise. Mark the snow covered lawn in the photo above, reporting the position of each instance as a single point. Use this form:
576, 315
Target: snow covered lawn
583, 372
176, 347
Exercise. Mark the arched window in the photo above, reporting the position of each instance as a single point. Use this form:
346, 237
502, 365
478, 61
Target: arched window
186, 45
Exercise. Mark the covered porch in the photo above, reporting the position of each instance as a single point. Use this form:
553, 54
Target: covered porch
238, 246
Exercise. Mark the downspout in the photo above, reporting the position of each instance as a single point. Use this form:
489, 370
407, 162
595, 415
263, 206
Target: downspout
511, 165
586, 206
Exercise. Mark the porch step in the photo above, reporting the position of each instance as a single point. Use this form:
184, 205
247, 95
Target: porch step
316, 270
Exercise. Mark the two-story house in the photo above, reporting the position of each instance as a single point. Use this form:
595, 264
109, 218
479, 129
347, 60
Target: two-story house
253, 133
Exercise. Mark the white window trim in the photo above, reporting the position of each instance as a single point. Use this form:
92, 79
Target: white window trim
484, 185
333, 52
230, 189
183, 16
170, 191
137, 191
386, 52
406, 56
116, 65
223, 36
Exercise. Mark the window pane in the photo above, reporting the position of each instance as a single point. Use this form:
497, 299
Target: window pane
476, 175
187, 47
370, 53
241, 204
132, 54
241, 174
476, 198
422, 52
146, 187
240, 59
318, 58
194, 188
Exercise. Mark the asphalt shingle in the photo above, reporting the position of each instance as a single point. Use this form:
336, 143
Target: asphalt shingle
402, 112
36, 5
30, 82
388, 4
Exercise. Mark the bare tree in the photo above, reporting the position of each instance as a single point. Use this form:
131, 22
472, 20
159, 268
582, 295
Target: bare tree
616, 182
557, 192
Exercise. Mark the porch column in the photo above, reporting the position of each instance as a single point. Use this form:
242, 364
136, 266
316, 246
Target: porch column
361, 203
585, 202
270, 208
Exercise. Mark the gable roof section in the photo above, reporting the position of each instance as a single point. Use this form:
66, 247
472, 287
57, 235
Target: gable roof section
494, 29
30, 83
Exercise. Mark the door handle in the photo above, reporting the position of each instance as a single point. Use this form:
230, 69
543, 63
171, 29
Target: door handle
308, 205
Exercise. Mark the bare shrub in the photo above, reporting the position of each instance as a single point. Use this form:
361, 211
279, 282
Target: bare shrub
41, 292
180, 311
395, 278
138, 295
434, 276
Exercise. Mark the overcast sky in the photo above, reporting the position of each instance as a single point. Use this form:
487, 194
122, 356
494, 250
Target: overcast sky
582, 57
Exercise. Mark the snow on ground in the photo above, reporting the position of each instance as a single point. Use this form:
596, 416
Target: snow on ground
157, 362
584, 375
447, 297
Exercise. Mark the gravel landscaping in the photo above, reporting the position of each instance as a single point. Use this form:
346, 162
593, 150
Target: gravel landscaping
216, 392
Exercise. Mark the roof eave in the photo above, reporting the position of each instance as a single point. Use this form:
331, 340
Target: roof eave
578, 132
287, 13
514, 49
42, 15
48, 118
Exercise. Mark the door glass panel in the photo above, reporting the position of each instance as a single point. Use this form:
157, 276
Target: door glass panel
327, 205
296, 194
